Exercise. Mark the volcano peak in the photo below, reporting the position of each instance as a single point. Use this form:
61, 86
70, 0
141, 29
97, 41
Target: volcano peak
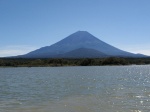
74, 44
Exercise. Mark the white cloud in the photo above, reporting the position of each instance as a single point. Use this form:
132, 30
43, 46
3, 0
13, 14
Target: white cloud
146, 51
15, 50
142, 48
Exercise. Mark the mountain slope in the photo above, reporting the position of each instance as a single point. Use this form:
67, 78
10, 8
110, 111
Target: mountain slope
80, 39
83, 53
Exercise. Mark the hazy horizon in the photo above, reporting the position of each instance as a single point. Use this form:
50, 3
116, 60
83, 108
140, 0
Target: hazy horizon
27, 25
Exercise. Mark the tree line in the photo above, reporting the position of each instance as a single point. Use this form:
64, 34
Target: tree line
20, 62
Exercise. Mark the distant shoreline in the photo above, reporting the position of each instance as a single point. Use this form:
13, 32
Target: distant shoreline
58, 62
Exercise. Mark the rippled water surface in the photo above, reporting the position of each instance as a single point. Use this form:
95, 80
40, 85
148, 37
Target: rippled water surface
75, 89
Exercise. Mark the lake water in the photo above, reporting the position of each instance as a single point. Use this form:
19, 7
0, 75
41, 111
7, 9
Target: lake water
75, 89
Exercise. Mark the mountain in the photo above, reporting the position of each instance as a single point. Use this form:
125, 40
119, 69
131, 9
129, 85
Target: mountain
79, 44
82, 53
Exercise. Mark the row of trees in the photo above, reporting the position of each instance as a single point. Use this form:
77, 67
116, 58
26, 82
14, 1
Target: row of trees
73, 62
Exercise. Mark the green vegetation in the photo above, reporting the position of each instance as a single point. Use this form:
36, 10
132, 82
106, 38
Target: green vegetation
20, 62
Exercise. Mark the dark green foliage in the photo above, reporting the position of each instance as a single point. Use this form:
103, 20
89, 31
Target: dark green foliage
115, 61
85, 62
14, 62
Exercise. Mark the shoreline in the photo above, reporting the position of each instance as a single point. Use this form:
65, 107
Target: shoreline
73, 66
61, 62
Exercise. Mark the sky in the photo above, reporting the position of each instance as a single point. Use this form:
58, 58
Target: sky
26, 25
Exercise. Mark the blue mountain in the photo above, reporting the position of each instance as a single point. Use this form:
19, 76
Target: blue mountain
83, 53
79, 44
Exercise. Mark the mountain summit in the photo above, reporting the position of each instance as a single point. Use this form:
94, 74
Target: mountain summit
77, 45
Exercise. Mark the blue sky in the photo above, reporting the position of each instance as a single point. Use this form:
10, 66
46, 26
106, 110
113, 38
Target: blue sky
26, 25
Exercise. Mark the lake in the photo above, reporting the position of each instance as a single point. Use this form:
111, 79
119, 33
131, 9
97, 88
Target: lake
75, 89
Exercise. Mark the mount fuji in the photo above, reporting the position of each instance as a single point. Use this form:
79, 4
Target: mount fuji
80, 44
